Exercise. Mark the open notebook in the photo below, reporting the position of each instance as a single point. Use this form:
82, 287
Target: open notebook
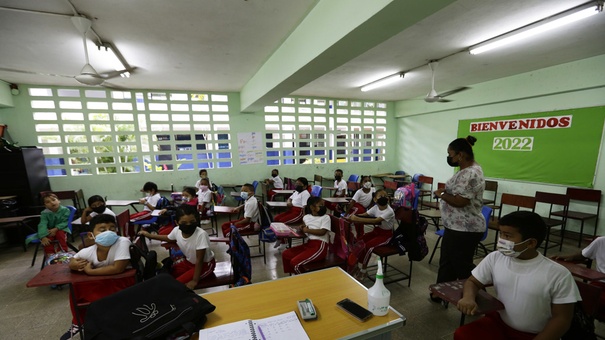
279, 327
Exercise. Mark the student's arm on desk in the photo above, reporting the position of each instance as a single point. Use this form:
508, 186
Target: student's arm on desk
365, 218
559, 322
77, 264
155, 237
318, 232
468, 303
117, 267
199, 255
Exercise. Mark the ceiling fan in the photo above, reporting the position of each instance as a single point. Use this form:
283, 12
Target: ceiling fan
433, 96
88, 75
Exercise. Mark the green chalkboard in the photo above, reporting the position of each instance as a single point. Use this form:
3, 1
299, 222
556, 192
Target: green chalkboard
558, 147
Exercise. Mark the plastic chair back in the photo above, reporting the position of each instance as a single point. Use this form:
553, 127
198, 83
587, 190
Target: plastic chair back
316, 191
354, 178
487, 213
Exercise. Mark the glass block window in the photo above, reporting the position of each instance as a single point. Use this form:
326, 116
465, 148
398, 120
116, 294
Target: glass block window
319, 131
106, 131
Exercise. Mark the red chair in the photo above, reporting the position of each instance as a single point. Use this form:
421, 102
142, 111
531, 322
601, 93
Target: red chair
587, 196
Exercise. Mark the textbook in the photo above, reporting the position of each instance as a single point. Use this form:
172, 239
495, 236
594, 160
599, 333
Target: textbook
279, 327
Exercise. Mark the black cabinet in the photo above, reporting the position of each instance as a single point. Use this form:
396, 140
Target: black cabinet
23, 173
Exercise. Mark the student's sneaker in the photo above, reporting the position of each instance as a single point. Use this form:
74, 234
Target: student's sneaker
71, 332
277, 244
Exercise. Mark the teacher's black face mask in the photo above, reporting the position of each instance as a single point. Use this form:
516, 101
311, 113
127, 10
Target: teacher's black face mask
450, 162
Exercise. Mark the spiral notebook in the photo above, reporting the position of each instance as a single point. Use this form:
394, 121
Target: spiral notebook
279, 327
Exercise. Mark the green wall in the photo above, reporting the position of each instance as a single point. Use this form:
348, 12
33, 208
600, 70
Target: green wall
425, 130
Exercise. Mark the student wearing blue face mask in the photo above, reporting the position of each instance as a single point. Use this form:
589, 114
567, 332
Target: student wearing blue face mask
109, 255
251, 214
538, 294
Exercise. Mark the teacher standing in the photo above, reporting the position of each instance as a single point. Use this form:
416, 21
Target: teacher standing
461, 204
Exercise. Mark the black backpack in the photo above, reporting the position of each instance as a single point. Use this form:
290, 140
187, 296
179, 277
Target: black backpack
409, 236
154, 309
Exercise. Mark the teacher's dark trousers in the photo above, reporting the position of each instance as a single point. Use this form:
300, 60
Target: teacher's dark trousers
457, 251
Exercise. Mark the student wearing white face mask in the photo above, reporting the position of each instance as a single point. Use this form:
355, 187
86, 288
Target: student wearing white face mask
538, 294
204, 198
251, 214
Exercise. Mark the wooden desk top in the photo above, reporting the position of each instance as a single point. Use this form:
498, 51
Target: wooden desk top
432, 213
14, 219
337, 199
10, 197
324, 288
223, 209
452, 293
59, 274
277, 204
582, 271
121, 202
283, 191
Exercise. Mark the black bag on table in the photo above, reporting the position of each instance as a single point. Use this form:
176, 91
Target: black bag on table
154, 309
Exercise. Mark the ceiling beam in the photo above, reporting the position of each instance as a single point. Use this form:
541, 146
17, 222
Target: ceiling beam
334, 32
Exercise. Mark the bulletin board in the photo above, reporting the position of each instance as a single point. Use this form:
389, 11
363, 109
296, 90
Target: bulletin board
556, 147
250, 148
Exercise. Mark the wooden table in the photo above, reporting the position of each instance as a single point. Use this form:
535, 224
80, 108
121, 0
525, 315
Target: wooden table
220, 210
324, 288
582, 271
434, 215
338, 200
60, 274
18, 220
123, 203
283, 191
452, 293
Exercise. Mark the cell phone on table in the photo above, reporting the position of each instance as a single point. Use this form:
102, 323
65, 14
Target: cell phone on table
354, 309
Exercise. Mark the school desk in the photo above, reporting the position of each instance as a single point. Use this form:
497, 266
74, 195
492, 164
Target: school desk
338, 200
22, 227
582, 271
451, 292
324, 288
220, 210
285, 192
434, 215
60, 274
123, 203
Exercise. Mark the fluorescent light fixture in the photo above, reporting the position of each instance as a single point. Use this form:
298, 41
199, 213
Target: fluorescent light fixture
382, 82
555, 21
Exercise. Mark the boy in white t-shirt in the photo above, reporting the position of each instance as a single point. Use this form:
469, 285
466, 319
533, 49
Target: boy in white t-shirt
204, 199
594, 251
109, 255
275, 182
538, 294
96, 206
361, 202
251, 218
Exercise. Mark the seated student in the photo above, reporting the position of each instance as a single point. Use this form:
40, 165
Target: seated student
361, 201
198, 259
96, 206
296, 203
538, 294
53, 225
151, 199
188, 197
341, 191
203, 175
275, 182
251, 218
204, 198
316, 226
594, 251
108, 256
383, 217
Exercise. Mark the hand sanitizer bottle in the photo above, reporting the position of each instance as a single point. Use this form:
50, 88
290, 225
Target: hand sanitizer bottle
379, 296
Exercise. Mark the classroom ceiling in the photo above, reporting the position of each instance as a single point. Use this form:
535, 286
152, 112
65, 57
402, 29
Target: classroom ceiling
219, 45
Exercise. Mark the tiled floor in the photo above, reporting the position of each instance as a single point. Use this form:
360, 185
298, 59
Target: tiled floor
42, 313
